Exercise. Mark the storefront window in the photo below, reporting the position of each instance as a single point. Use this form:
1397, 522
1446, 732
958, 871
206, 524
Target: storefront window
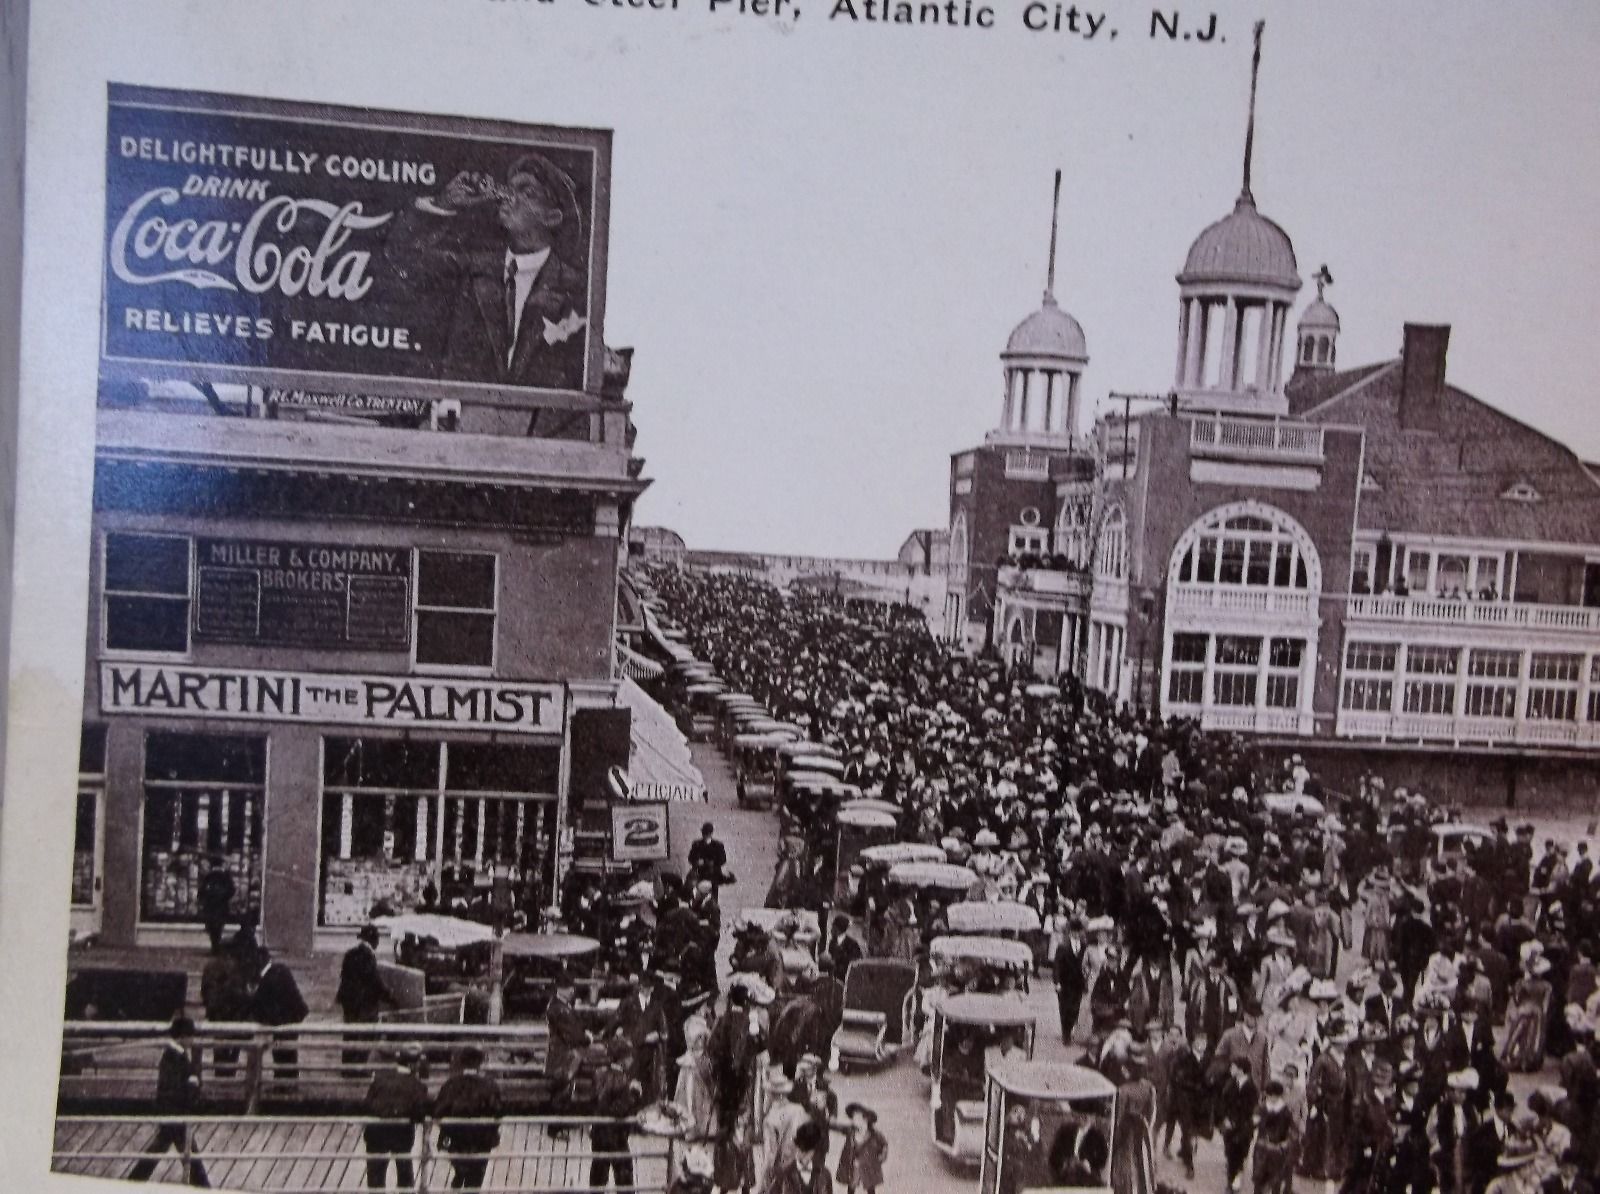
1435, 697
203, 795
1369, 677
1492, 687
456, 604
146, 593
1553, 686
1237, 658
408, 824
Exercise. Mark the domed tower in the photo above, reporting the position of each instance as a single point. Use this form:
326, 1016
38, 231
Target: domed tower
1317, 342
1234, 295
1044, 359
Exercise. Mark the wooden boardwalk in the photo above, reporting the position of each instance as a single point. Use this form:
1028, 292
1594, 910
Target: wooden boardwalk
287, 1155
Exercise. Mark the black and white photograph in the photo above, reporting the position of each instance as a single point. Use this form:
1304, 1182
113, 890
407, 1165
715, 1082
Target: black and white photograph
772, 597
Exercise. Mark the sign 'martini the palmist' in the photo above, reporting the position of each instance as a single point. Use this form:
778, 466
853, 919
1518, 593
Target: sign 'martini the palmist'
246, 694
341, 248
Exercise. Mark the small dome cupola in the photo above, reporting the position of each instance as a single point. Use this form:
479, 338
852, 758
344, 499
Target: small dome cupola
1317, 342
1044, 358
1234, 294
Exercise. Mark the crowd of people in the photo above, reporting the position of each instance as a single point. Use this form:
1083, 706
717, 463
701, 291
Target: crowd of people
1316, 988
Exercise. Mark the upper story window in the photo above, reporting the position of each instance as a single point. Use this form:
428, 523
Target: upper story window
1073, 529
1029, 540
147, 593
1112, 560
1248, 550
456, 608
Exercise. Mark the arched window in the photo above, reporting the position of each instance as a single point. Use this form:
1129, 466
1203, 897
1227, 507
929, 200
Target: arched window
1322, 350
1250, 546
1073, 529
1112, 560
958, 541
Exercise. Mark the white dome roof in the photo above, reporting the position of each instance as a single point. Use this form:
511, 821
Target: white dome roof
1243, 246
1320, 316
1048, 332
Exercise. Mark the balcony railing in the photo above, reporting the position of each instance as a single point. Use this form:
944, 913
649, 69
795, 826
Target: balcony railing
1416, 727
1233, 600
1441, 612
1027, 465
1232, 720
1049, 581
1255, 438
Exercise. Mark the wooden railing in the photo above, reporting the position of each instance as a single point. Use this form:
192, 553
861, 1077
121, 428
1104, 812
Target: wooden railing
313, 1155
250, 1066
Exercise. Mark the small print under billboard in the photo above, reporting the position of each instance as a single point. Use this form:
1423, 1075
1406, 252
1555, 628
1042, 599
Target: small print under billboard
349, 249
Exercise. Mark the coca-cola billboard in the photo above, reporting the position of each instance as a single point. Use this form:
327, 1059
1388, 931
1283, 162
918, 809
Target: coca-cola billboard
307, 245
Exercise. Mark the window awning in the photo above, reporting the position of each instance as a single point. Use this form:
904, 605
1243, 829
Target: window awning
660, 766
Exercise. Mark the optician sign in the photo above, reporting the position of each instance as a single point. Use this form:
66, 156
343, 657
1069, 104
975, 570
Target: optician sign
401, 702
346, 249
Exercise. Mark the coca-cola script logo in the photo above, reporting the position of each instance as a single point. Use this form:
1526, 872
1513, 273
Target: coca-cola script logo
144, 239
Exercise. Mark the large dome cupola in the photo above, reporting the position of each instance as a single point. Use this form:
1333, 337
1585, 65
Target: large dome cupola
1234, 292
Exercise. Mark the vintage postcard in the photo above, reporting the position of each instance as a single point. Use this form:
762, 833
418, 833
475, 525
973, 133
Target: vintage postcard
774, 597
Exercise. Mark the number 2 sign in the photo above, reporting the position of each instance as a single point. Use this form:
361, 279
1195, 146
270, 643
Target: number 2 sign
639, 833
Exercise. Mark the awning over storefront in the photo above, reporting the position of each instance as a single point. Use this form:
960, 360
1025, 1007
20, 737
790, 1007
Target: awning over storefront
635, 666
659, 764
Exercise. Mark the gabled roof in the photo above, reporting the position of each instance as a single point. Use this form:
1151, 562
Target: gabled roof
1309, 388
1451, 481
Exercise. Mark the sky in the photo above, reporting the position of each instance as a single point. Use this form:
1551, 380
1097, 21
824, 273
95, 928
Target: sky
822, 233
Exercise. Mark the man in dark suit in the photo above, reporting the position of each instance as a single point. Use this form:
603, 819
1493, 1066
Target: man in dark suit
398, 1099
277, 1003
468, 1096
518, 312
362, 992
619, 1097
568, 1037
1383, 1007
1071, 981
708, 858
641, 1020
215, 898
177, 1091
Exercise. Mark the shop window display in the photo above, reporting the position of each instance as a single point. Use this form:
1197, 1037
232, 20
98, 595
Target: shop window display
203, 797
460, 827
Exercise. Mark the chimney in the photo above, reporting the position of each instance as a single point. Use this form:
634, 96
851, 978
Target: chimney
1422, 376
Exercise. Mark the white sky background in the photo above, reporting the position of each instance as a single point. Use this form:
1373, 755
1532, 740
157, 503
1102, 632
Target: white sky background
823, 233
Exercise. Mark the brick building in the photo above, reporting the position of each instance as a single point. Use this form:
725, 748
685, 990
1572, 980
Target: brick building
1339, 561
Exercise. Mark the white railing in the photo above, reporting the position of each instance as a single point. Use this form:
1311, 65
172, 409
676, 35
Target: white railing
1229, 719
1221, 436
1028, 465
1238, 600
1415, 727
1439, 611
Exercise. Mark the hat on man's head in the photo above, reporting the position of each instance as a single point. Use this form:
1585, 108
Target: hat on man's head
558, 187
369, 933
